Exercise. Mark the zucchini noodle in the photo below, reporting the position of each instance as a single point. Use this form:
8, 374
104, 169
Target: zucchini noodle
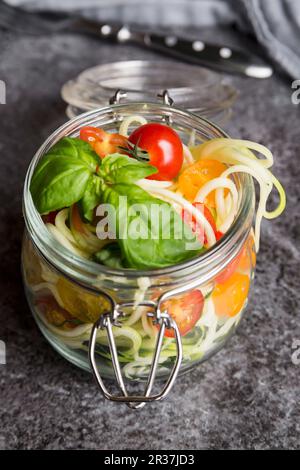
192, 139
224, 205
187, 155
48, 286
135, 316
149, 184
212, 185
122, 335
211, 147
87, 243
60, 223
199, 216
123, 130
64, 241
237, 153
228, 201
148, 327
48, 275
143, 283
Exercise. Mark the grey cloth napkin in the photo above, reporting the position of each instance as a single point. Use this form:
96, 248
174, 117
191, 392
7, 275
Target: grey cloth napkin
275, 23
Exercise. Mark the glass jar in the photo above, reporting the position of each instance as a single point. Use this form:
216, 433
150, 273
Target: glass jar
69, 294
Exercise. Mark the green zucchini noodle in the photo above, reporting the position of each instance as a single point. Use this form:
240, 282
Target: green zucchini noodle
238, 153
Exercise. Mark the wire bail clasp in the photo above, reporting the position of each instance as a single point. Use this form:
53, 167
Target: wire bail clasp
117, 96
168, 101
110, 319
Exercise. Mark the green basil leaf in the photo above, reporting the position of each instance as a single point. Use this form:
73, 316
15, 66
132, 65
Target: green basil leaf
60, 179
75, 147
91, 198
117, 168
58, 182
144, 244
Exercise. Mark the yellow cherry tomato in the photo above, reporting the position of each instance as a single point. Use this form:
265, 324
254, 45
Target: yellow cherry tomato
196, 175
229, 297
81, 304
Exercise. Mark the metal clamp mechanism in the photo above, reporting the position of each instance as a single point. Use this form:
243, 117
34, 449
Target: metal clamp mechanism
110, 319
120, 94
116, 98
166, 98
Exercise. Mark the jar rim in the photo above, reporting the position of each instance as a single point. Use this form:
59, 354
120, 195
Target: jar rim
194, 88
228, 245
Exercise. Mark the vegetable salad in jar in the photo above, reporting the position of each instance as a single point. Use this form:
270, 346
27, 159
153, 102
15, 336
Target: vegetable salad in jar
145, 197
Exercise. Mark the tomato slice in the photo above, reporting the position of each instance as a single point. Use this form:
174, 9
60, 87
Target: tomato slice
102, 142
196, 227
163, 146
186, 310
196, 175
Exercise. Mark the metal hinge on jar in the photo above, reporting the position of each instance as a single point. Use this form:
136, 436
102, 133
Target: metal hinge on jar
110, 319
164, 96
159, 317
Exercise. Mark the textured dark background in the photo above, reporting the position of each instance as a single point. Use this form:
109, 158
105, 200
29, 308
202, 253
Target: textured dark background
247, 396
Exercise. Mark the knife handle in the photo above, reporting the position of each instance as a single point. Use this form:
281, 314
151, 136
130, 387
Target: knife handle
221, 58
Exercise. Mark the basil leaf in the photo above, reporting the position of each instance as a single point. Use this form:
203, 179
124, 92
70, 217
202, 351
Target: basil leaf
152, 245
117, 168
91, 198
75, 147
61, 177
58, 182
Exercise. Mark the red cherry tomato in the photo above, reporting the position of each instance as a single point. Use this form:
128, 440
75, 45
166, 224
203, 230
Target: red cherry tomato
102, 142
163, 146
186, 310
193, 223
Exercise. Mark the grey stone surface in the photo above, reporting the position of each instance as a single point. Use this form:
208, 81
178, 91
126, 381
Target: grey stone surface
247, 396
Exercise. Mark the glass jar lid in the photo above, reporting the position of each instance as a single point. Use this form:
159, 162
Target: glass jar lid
193, 88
